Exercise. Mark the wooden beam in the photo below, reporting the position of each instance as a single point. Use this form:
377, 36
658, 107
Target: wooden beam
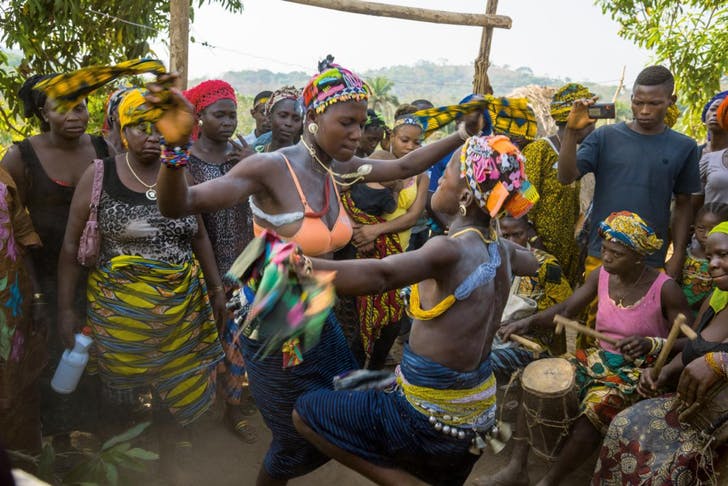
411, 13
481, 81
179, 35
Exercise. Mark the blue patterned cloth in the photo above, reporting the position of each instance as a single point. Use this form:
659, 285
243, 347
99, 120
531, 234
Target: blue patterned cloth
384, 429
276, 389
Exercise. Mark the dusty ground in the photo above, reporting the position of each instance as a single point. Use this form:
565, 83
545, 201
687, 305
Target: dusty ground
224, 460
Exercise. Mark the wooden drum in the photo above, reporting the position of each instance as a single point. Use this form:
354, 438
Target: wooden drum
550, 404
711, 416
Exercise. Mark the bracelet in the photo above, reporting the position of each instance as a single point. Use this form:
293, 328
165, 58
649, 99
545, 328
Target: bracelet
175, 158
717, 368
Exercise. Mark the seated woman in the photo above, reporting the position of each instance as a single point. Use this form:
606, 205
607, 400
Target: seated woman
668, 452
696, 282
432, 425
636, 305
541, 291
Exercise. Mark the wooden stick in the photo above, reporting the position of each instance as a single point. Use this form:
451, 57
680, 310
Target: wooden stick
411, 13
667, 347
688, 331
526, 343
562, 322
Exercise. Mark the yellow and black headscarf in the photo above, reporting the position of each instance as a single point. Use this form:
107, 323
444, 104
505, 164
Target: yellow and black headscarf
564, 99
69, 89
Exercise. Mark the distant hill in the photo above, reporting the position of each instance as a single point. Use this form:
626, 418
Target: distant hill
440, 83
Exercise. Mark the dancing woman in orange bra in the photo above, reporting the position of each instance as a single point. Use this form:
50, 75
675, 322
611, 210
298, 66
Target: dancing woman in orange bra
293, 192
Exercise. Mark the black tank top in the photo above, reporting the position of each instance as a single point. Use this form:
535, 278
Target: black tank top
48, 203
700, 347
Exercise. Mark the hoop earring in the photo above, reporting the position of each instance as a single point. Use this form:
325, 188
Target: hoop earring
463, 210
313, 128
199, 123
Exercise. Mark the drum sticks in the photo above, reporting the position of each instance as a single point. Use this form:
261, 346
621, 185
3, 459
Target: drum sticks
526, 343
562, 322
667, 347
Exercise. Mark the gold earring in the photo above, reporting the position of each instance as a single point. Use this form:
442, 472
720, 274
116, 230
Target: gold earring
312, 128
463, 210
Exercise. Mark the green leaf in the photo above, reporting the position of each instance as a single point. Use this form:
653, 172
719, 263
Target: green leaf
112, 474
130, 434
46, 463
142, 454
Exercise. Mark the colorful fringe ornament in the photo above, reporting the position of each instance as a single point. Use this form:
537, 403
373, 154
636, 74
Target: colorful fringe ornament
288, 310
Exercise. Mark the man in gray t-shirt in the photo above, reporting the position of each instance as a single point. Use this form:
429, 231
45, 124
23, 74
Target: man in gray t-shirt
638, 166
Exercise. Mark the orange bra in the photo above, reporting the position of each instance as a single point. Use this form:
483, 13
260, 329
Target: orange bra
313, 236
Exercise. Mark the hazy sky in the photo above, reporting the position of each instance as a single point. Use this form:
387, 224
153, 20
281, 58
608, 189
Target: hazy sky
562, 38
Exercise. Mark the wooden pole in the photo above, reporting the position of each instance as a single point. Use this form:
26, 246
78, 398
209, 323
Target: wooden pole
411, 13
179, 35
481, 81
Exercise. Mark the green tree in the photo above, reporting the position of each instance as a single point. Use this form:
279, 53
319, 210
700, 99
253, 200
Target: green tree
382, 100
54, 35
689, 36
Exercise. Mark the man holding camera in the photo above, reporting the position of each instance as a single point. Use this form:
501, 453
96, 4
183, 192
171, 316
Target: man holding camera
638, 166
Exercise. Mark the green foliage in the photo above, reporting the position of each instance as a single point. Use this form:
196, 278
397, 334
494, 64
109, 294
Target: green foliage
53, 35
689, 36
382, 100
95, 468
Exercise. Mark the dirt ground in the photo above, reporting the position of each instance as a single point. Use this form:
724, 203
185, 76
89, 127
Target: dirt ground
224, 460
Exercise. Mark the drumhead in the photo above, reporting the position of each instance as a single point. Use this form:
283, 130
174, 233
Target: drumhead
548, 377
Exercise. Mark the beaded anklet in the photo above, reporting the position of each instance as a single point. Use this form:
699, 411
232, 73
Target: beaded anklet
175, 158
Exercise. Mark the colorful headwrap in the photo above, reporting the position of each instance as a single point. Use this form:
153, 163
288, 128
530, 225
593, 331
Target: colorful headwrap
493, 169
513, 117
69, 89
719, 298
374, 119
134, 110
432, 119
285, 93
722, 114
332, 85
208, 92
631, 231
564, 98
112, 107
410, 119
720, 96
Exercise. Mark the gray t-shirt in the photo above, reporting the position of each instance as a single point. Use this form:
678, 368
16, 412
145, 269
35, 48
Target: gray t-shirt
638, 173
714, 176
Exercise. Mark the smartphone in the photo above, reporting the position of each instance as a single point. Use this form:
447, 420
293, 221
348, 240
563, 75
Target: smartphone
602, 110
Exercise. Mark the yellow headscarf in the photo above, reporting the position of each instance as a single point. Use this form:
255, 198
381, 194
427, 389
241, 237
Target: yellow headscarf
719, 298
631, 231
69, 89
133, 109
564, 98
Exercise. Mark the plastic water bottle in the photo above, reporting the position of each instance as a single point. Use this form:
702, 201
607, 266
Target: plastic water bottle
72, 364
